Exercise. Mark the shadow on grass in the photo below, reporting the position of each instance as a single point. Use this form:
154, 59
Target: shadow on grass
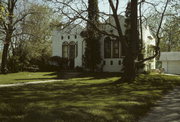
97, 75
36, 79
82, 100
62, 75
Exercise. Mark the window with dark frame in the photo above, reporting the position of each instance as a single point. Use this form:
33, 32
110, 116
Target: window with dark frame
107, 47
76, 49
72, 49
111, 62
115, 49
104, 62
119, 62
65, 50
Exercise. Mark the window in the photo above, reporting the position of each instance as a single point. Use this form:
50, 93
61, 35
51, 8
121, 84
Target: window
65, 50
62, 37
75, 36
115, 49
111, 62
107, 47
76, 49
119, 62
72, 47
122, 51
68, 37
104, 62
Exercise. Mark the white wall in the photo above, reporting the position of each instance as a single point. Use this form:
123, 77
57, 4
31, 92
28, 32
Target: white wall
58, 41
172, 67
56, 48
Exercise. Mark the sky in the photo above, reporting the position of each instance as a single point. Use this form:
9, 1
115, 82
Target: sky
104, 6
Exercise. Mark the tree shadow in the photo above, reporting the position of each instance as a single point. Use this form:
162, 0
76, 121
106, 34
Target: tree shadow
79, 101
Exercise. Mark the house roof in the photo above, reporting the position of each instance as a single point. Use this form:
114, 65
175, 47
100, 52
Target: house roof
170, 56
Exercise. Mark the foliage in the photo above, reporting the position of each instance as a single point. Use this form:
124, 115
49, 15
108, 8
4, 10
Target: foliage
33, 48
171, 32
1, 11
14, 64
92, 52
167, 34
58, 63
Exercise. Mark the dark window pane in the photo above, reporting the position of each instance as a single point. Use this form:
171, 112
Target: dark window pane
76, 49
65, 51
115, 49
104, 62
119, 62
107, 47
111, 63
71, 51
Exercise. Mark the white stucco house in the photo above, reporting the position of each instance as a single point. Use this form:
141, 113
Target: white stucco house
170, 62
68, 43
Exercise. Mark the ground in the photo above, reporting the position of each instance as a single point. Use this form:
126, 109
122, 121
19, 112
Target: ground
90, 98
25, 77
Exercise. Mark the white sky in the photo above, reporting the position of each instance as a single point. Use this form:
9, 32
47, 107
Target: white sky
104, 5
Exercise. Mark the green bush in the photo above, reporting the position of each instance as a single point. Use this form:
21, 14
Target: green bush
58, 63
14, 65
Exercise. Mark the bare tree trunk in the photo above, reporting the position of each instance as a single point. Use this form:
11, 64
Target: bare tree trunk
4, 58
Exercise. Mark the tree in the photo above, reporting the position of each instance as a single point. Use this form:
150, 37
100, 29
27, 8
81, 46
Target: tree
166, 33
8, 27
9, 31
171, 32
92, 53
1, 11
31, 46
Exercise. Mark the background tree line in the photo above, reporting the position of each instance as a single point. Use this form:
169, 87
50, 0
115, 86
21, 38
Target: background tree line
25, 35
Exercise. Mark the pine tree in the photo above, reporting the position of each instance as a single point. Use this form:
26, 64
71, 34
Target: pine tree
92, 53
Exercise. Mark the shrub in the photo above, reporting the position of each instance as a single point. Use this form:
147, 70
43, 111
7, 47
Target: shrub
14, 65
58, 63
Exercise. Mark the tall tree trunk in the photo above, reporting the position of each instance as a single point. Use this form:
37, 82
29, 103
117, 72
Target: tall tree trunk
4, 58
132, 51
9, 32
5, 52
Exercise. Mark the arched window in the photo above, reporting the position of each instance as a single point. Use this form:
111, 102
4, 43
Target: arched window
115, 49
107, 47
65, 50
72, 49
76, 49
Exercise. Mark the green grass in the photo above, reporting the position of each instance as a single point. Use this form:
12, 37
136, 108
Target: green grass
92, 98
25, 77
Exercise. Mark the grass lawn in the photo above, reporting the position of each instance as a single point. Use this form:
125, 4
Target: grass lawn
85, 99
25, 77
